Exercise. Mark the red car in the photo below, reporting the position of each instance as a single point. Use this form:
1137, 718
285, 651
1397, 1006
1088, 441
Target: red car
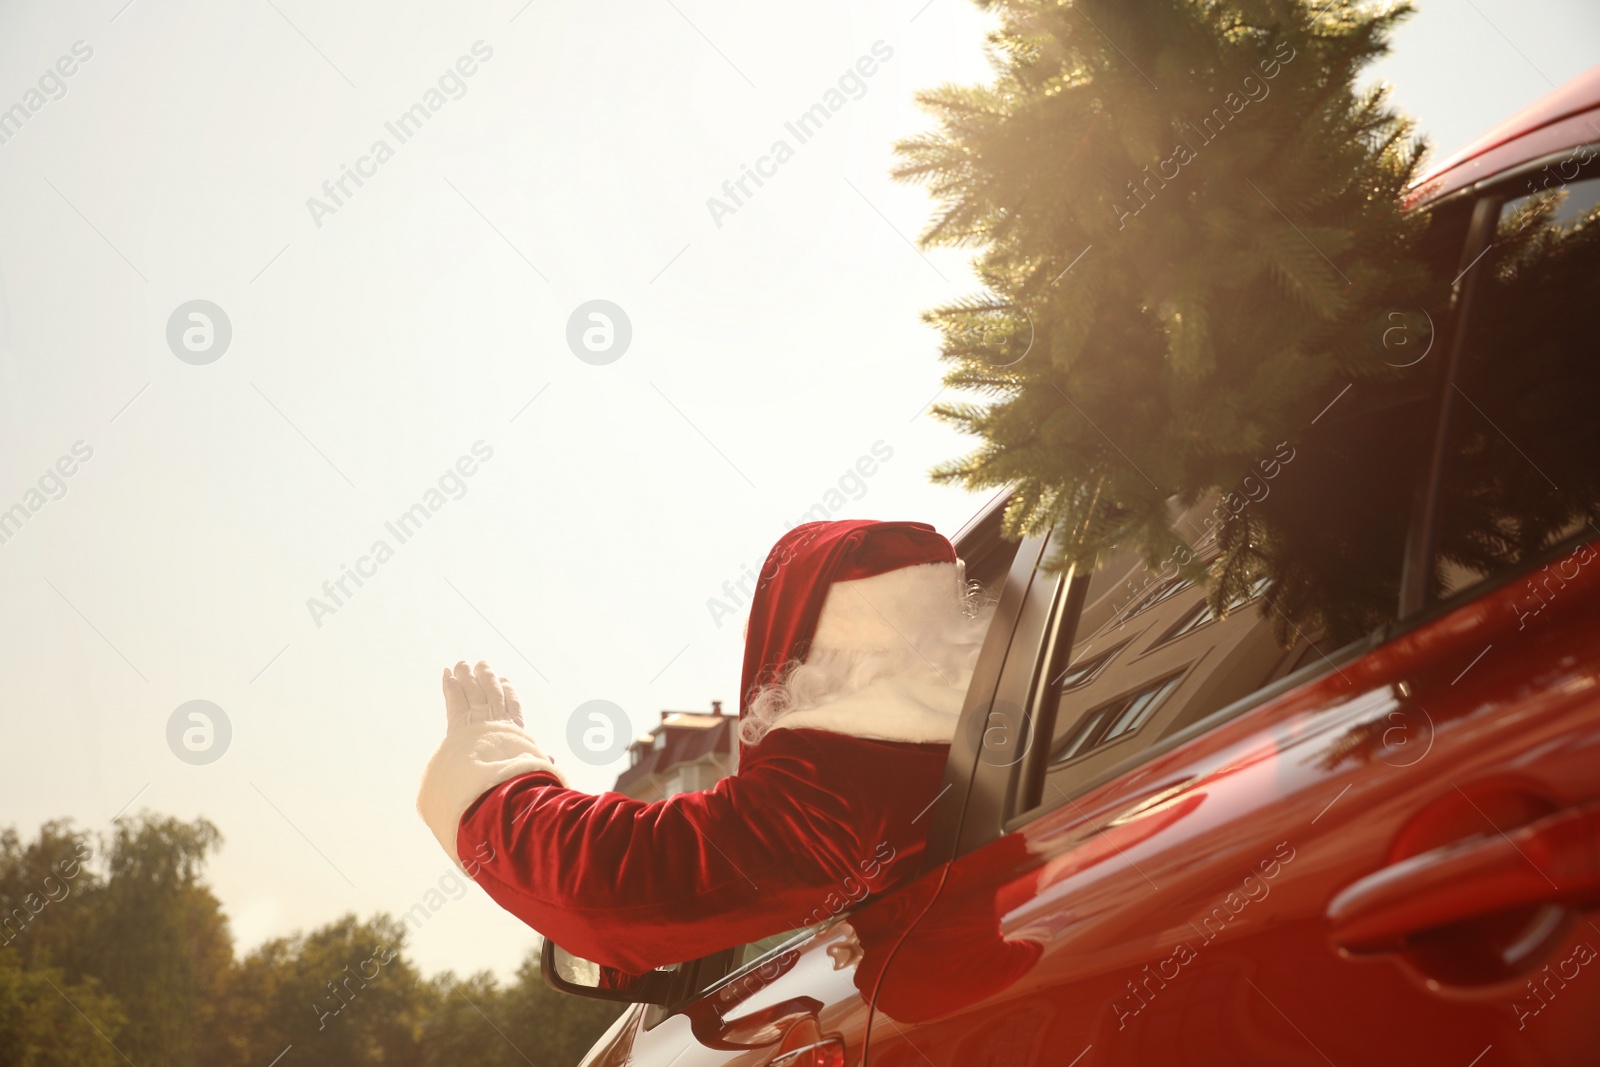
1166, 839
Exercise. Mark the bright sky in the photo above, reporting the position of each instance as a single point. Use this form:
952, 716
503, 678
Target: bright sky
377, 340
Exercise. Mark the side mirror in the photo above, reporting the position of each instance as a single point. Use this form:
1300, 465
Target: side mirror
566, 973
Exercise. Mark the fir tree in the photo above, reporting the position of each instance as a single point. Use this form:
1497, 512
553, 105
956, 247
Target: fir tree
1190, 219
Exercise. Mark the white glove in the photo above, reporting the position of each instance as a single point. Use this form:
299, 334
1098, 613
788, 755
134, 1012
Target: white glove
484, 745
478, 695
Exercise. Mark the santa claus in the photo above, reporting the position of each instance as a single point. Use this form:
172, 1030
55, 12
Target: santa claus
860, 645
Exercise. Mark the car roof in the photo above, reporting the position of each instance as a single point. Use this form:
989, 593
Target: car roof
1567, 116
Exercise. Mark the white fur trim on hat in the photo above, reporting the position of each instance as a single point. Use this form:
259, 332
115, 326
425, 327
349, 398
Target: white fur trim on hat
886, 610
470, 761
889, 709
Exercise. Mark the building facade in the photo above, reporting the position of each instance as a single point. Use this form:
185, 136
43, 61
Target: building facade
688, 751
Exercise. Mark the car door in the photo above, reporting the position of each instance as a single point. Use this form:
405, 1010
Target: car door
1191, 844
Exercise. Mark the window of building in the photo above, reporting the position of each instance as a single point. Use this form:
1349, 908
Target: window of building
1198, 616
1114, 720
1082, 673
1164, 591
1201, 614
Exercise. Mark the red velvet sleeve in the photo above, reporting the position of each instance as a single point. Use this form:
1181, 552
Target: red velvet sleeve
637, 885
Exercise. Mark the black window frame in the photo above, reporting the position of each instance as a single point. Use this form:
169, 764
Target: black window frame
1490, 196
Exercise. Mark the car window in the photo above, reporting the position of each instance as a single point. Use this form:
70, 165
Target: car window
1146, 658
1135, 655
1522, 476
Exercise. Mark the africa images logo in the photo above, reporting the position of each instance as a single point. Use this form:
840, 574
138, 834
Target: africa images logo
337, 592
805, 126
337, 191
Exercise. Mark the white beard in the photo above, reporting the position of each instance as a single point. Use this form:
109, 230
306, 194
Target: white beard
911, 692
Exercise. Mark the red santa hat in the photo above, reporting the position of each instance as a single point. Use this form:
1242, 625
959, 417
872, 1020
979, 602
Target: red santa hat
851, 584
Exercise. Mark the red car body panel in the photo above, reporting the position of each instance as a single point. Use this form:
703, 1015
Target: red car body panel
1167, 931
1557, 122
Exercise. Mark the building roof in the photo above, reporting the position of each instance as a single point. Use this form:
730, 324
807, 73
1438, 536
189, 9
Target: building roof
691, 720
690, 736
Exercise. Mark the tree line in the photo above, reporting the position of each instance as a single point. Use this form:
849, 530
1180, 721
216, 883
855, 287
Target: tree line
114, 950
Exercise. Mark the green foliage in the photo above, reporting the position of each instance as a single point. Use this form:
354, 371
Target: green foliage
1189, 221
47, 1021
129, 915
342, 995
552, 1022
118, 948
477, 1021
463, 1017
38, 884
140, 921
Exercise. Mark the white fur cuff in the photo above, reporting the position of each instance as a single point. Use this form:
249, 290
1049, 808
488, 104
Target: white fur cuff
469, 762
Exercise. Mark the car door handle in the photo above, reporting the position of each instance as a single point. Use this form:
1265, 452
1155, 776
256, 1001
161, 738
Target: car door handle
1555, 860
